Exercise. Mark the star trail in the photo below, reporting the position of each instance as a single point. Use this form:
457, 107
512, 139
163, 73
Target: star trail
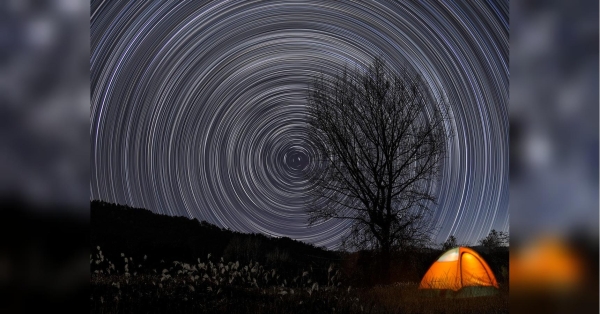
198, 108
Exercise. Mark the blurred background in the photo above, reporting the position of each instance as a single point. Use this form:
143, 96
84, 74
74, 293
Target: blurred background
44, 163
554, 156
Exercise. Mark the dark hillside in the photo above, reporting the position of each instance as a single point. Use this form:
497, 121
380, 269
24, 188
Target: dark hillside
137, 232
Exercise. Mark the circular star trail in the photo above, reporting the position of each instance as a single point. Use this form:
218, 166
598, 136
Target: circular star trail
198, 108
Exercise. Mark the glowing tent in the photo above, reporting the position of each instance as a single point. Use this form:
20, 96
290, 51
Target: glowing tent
458, 268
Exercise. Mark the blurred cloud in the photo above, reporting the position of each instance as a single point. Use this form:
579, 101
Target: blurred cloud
554, 156
44, 92
554, 117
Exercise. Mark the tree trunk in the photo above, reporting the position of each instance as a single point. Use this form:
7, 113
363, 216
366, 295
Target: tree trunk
385, 266
384, 263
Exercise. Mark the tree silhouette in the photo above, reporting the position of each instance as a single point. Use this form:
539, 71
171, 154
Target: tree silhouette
380, 141
495, 239
450, 243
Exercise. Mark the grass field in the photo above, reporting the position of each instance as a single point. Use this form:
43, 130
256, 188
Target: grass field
217, 286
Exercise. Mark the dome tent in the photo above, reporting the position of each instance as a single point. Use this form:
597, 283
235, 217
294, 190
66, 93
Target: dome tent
462, 271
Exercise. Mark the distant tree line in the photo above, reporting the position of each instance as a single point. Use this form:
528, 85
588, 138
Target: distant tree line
493, 241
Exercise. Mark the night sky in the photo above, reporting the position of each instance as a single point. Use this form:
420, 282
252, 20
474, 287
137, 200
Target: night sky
198, 109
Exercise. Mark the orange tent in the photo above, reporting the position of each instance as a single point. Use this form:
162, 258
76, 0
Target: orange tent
457, 268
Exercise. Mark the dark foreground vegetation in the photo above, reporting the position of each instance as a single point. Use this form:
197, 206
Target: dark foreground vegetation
142, 262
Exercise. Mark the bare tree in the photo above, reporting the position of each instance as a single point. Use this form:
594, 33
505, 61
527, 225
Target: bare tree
380, 140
